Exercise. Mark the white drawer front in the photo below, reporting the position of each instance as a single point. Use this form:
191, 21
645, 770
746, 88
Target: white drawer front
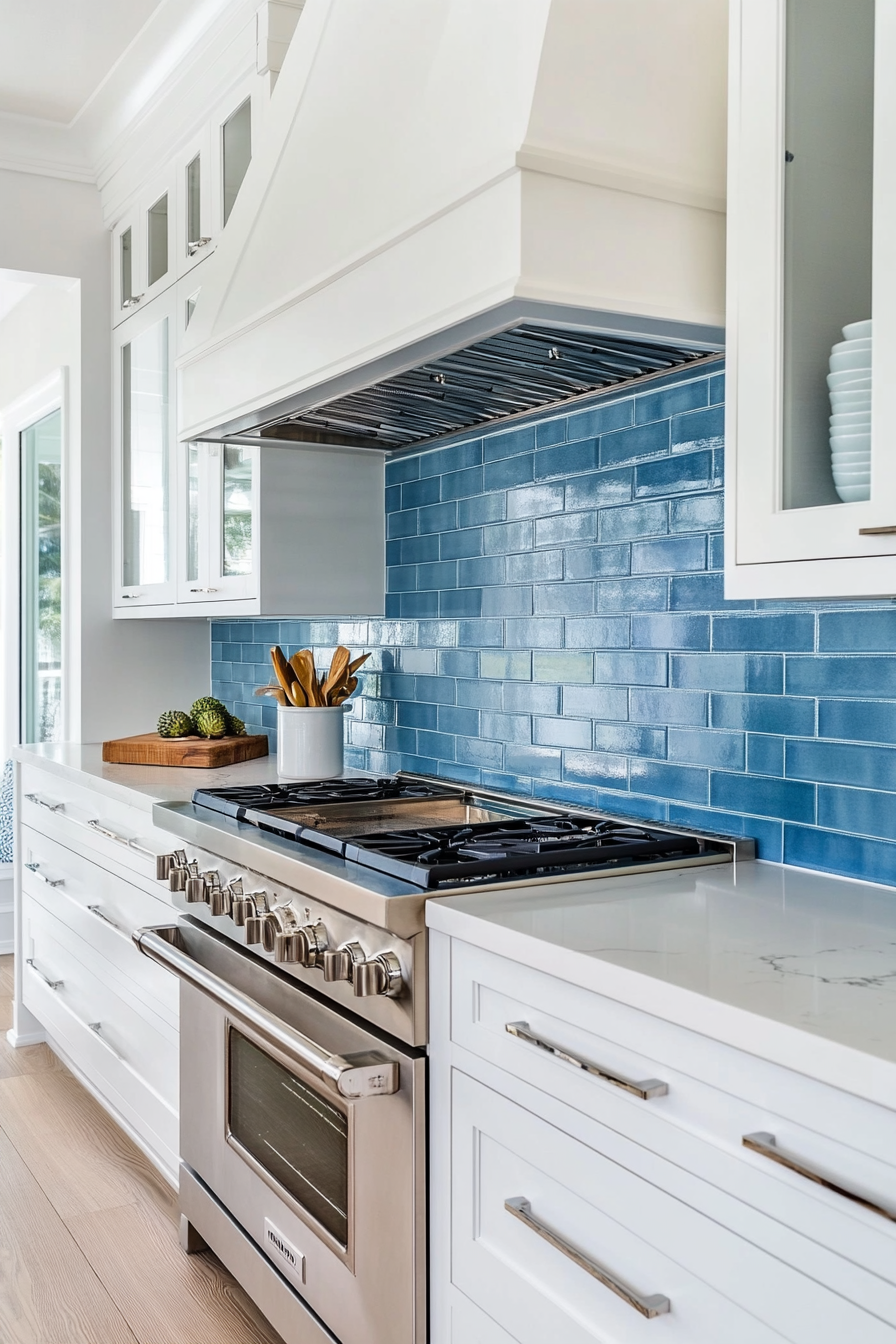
593, 1211
469, 1325
104, 910
116, 833
130, 1038
697, 1123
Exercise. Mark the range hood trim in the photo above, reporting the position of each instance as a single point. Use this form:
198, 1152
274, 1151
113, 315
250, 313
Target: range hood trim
248, 428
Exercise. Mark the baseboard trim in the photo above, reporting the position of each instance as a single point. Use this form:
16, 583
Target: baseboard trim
17, 1040
7, 947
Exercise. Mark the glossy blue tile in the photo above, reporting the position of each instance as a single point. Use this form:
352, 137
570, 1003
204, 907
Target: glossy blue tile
575, 795
559, 667
480, 634
456, 457
862, 766
401, 524
517, 601
548, 432
515, 665
717, 390
669, 555
476, 751
769, 835
600, 419
566, 599
688, 708
699, 592
478, 571
494, 779
462, 602
400, 739
480, 694
695, 746
626, 739
461, 484
442, 574
505, 538
865, 631
419, 550
857, 811
458, 663
671, 401
393, 498
763, 713
633, 521
481, 509
591, 562
402, 469
509, 471
698, 429
599, 489
437, 690
661, 631
699, 513
857, 720
555, 732
415, 493
461, 721
508, 444
633, 595
437, 634
422, 662
506, 727
417, 714
684, 783
596, 768
839, 676
530, 632
415, 606
466, 774
565, 529
221, 671
596, 702
459, 545
436, 517
674, 475
535, 501
633, 805
527, 698
566, 459
832, 852
789, 633
531, 566
622, 668
597, 632
539, 762
765, 755
438, 745
782, 799
717, 551
630, 445
402, 579
393, 553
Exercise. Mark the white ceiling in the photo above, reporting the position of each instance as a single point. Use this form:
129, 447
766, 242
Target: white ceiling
11, 293
54, 54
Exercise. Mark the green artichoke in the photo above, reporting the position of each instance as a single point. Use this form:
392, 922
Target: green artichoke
211, 723
175, 723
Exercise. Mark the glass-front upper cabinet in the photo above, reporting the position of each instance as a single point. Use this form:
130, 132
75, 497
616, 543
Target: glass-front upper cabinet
144, 425
811, 407
220, 524
196, 194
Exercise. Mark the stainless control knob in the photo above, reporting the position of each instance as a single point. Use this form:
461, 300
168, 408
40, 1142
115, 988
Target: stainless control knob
313, 940
164, 864
379, 975
269, 930
219, 900
177, 874
340, 964
196, 889
287, 947
253, 927
241, 910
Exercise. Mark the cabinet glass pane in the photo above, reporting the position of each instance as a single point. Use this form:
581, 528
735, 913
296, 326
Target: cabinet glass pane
298, 1137
827, 247
127, 267
192, 512
194, 205
144, 431
157, 236
236, 151
41, 467
237, 510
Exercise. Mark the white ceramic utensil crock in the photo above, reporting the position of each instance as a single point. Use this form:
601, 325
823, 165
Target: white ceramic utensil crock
310, 742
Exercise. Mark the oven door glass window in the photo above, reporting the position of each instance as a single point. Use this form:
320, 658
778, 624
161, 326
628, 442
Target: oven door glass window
295, 1136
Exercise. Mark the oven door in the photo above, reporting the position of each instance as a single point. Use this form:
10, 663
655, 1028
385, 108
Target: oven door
309, 1129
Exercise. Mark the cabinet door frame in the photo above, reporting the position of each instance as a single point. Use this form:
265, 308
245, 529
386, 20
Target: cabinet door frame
200, 145
130, 220
246, 91
816, 551
130, 597
231, 587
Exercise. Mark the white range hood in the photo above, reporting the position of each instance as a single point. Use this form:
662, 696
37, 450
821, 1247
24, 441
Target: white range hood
437, 171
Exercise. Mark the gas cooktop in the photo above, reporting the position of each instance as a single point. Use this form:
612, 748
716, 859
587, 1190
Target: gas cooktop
437, 836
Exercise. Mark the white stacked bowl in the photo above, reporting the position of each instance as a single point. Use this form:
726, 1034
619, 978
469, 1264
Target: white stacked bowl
849, 385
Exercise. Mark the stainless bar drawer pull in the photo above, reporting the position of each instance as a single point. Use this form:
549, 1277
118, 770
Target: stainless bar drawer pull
121, 839
50, 881
655, 1305
651, 1087
54, 984
41, 802
97, 1029
766, 1146
96, 910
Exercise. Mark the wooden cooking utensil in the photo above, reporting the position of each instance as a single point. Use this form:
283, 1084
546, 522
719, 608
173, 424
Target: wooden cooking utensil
302, 666
336, 674
282, 670
276, 692
359, 662
298, 696
350, 686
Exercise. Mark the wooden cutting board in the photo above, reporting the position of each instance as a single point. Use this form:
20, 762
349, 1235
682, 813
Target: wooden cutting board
202, 752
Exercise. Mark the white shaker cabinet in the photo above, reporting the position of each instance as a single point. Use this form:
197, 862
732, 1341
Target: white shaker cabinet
812, 223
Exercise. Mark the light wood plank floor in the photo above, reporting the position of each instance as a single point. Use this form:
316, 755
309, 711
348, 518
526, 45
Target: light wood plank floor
89, 1252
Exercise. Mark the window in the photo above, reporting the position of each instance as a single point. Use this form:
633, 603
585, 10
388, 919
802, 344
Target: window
42, 579
236, 151
157, 234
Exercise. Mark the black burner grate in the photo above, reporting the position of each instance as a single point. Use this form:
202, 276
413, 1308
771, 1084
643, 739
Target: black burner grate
237, 801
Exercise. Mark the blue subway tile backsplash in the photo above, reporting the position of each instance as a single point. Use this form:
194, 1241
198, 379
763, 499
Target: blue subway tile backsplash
556, 625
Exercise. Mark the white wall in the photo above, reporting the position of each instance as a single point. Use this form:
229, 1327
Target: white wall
122, 673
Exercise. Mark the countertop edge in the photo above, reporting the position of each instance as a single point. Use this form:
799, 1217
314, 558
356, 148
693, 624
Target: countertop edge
804, 1052
131, 794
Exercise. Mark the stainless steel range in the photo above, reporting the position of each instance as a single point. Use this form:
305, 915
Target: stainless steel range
303, 1019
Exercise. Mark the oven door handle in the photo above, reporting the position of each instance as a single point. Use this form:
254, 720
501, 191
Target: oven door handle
375, 1077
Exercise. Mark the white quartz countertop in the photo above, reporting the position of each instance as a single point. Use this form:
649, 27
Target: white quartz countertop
140, 785
792, 966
